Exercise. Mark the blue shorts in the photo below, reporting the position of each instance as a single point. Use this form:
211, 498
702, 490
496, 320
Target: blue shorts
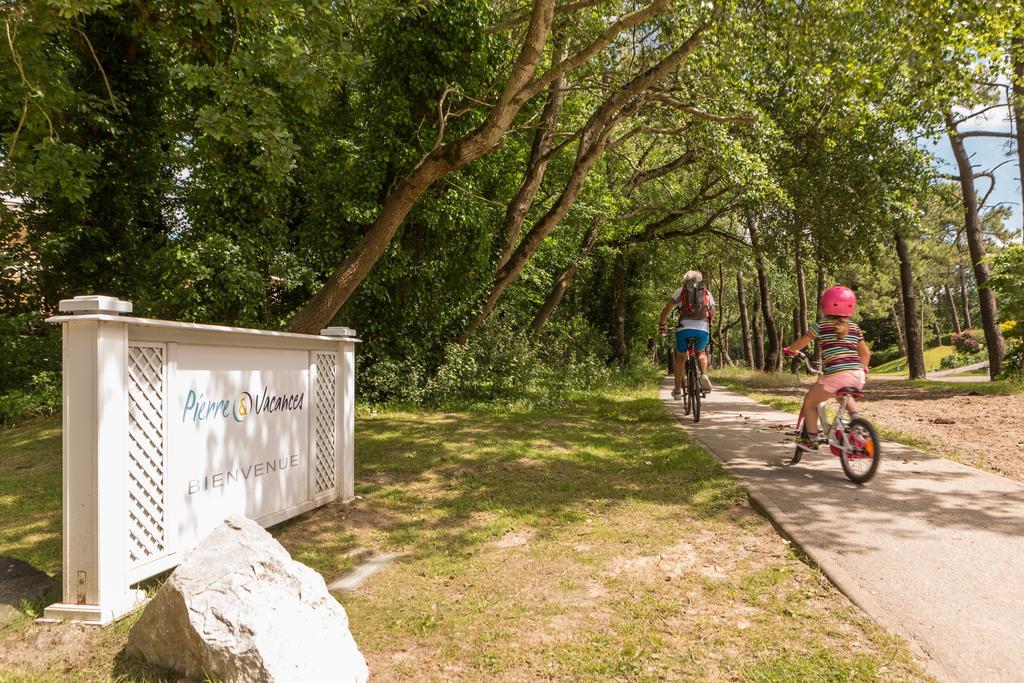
700, 337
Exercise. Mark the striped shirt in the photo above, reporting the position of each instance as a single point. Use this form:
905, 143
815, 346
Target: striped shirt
837, 355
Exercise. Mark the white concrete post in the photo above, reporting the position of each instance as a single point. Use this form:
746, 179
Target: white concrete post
95, 475
346, 401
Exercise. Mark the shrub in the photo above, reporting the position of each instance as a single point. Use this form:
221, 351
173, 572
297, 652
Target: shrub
389, 380
1013, 362
42, 396
885, 355
966, 342
958, 360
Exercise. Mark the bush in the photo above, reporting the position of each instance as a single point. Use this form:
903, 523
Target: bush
885, 355
958, 360
1013, 362
41, 397
966, 342
504, 365
389, 380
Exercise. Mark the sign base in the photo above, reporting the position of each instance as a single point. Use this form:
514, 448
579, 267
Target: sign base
92, 615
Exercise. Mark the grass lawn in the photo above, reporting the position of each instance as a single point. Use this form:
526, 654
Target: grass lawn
932, 359
595, 542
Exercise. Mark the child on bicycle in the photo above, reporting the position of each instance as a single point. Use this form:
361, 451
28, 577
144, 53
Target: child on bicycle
844, 354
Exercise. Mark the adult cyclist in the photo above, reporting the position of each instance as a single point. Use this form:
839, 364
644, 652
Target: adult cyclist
695, 309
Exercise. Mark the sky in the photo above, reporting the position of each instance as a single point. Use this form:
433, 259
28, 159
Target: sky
987, 153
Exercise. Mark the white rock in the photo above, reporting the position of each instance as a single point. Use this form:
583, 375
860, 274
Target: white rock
239, 608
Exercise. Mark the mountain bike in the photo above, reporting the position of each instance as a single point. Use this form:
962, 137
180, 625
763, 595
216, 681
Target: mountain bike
855, 442
693, 392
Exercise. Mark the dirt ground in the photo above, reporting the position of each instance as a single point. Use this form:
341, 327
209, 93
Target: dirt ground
985, 431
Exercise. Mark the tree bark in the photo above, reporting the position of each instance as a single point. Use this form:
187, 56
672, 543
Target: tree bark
952, 308
741, 301
1017, 46
537, 165
964, 300
976, 246
619, 313
779, 343
771, 355
901, 342
801, 288
915, 350
564, 280
593, 141
817, 309
794, 365
758, 339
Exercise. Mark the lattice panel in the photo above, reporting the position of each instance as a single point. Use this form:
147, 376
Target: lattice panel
326, 367
146, 454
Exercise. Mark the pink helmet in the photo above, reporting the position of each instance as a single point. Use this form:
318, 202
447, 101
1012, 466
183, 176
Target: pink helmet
838, 301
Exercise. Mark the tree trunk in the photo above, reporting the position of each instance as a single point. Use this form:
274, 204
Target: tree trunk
779, 343
976, 246
537, 166
1017, 45
938, 333
741, 301
720, 316
817, 309
771, 356
758, 340
724, 346
964, 300
952, 308
794, 365
901, 342
915, 351
921, 306
801, 288
564, 280
594, 140
619, 314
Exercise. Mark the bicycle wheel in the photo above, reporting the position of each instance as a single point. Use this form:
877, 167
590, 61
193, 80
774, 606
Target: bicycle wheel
693, 387
686, 394
798, 452
860, 460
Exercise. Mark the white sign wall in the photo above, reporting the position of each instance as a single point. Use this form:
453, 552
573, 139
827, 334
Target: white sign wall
180, 425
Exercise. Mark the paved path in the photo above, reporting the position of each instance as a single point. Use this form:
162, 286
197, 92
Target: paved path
954, 375
959, 371
931, 549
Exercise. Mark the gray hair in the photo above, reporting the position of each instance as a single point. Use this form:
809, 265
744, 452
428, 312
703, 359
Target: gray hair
693, 276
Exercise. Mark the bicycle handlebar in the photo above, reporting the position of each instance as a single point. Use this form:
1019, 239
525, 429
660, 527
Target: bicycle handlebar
807, 363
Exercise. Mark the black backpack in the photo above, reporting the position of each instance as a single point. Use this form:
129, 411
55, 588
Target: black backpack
693, 301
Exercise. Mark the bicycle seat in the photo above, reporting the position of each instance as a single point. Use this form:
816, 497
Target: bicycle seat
852, 392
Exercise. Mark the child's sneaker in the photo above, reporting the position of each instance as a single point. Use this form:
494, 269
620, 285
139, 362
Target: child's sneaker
677, 394
807, 443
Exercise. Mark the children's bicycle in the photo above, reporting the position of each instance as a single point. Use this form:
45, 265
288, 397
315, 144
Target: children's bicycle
855, 442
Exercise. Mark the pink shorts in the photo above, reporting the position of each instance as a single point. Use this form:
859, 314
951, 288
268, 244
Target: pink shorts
846, 378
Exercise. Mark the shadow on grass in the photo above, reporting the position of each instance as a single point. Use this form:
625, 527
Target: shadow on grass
431, 483
30, 493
